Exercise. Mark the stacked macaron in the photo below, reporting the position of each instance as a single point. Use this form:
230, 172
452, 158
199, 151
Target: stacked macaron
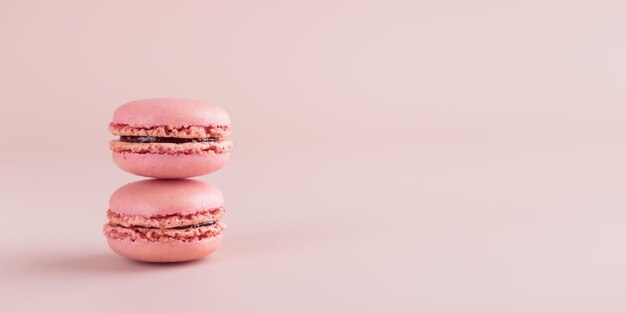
170, 218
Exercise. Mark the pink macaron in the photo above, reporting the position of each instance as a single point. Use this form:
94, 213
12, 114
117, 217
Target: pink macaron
170, 138
165, 220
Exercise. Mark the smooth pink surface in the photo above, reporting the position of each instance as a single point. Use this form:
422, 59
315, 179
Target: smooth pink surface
171, 112
163, 197
392, 156
170, 251
170, 166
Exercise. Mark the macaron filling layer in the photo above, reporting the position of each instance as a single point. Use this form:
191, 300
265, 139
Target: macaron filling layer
188, 227
209, 223
189, 131
151, 139
166, 221
187, 234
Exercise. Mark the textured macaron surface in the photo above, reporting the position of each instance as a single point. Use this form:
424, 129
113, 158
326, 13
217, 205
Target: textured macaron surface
194, 131
153, 197
144, 126
170, 166
165, 251
176, 220
186, 234
218, 147
170, 138
174, 113
165, 210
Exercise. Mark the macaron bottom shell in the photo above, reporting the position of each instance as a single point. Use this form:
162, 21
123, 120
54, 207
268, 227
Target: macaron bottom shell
164, 251
170, 166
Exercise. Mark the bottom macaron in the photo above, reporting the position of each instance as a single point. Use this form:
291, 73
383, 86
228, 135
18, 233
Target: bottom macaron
165, 220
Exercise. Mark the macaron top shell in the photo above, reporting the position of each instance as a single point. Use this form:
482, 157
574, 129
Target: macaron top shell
164, 197
171, 112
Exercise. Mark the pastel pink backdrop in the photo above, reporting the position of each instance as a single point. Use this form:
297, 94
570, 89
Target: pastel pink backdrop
390, 156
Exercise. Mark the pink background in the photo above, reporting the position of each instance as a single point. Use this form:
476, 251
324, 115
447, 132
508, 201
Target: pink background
390, 156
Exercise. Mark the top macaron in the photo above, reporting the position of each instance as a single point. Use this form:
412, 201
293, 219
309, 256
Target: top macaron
170, 138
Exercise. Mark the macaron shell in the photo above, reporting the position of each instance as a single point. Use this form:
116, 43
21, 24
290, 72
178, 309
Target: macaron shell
171, 112
168, 251
153, 197
170, 166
